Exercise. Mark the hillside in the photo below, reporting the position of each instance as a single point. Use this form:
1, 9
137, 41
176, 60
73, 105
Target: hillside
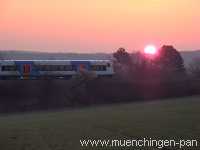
62, 130
189, 56
42, 55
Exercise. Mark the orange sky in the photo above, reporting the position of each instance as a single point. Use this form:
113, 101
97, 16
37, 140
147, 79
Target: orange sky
98, 25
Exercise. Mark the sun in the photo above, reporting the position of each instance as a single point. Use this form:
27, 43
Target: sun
150, 50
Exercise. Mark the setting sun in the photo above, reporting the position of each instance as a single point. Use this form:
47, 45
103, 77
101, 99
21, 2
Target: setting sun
150, 49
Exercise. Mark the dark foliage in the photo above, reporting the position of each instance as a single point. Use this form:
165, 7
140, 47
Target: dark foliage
170, 61
135, 80
122, 56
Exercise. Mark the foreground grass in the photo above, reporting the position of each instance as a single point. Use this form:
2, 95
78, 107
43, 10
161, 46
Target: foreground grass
62, 130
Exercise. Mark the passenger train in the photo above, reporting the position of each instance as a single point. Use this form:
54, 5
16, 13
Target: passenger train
53, 69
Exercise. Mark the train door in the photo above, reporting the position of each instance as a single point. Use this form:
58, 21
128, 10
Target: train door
81, 66
26, 69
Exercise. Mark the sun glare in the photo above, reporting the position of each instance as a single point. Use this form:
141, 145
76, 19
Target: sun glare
150, 49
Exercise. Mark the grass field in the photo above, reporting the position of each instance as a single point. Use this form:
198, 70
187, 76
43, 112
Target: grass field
62, 130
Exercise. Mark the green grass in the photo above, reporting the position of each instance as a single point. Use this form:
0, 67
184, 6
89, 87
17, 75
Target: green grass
62, 130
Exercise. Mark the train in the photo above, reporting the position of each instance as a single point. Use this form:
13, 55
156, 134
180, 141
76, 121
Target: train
53, 69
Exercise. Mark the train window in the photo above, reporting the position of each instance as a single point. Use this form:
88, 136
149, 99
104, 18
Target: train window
69, 67
9, 68
104, 68
98, 68
55, 67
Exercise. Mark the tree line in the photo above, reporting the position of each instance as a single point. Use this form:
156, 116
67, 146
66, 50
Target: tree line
138, 77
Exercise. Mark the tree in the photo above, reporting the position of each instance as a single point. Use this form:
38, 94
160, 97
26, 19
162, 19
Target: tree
123, 65
170, 60
122, 56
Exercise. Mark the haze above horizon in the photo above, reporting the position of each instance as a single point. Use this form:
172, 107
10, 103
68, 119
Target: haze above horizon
98, 25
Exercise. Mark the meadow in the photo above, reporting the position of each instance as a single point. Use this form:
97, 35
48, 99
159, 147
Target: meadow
62, 129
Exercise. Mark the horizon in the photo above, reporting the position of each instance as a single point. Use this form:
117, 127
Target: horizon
97, 52
98, 26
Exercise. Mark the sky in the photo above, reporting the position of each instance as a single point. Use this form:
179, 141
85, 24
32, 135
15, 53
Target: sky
98, 25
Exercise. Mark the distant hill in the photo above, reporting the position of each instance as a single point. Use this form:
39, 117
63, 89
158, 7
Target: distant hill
26, 55
188, 56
